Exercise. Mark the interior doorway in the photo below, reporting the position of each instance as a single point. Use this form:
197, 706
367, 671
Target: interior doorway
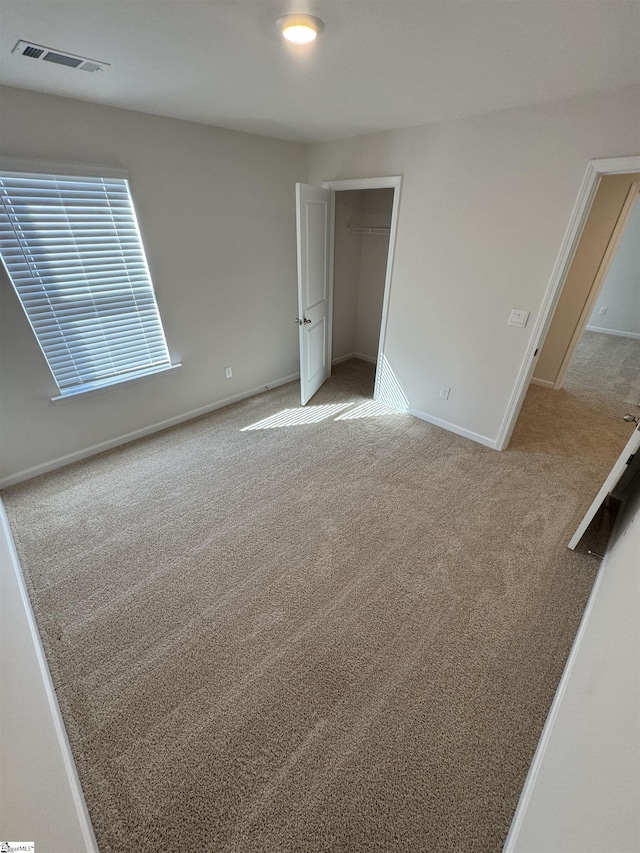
379, 216
592, 349
596, 172
362, 228
607, 252
584, 396
346, 237
591, 353
603, 363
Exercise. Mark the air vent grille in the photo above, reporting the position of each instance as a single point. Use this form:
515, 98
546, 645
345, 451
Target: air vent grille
62, 59
59, 57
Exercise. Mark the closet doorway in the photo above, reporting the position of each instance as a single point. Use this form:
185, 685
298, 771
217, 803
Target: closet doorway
365, 215
346, 238
362, 227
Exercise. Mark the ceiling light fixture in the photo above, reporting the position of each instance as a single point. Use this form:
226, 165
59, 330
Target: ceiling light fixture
300, 29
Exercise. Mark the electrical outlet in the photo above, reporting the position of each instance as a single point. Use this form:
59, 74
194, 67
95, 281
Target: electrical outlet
445, 391
228, 372
602, 312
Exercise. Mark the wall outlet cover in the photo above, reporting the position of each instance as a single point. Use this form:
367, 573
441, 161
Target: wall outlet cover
518, 318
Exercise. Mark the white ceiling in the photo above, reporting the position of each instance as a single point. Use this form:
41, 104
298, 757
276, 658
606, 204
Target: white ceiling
379, 64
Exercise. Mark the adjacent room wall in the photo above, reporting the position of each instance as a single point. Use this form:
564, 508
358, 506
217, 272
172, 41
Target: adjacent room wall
620, 293
485, 205
217, 216
596, 235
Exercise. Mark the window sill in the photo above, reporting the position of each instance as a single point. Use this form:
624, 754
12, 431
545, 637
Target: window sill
98, 387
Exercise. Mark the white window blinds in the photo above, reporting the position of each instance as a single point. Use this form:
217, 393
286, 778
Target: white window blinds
72, 248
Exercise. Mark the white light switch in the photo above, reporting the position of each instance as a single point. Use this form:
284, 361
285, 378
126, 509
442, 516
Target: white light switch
518, 318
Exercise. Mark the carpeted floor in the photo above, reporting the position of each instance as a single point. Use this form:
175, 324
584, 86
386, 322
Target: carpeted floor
605, 373
586, 417
340, 631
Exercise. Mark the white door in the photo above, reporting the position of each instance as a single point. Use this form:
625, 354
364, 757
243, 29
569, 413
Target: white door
631, 448
313, 225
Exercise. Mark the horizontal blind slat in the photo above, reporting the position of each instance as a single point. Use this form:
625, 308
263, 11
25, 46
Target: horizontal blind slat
76, 333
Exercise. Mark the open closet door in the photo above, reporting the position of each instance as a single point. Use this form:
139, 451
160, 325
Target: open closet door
618, 470
313, 226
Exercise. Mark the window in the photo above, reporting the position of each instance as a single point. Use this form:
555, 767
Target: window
73, 251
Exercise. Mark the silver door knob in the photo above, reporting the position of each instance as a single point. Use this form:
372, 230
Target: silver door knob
632, 419
306, 322
301, 322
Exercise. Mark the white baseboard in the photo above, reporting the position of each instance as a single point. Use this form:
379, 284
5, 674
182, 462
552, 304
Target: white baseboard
39, 745
76, 456
616, 332
543, 383
342, 358
364, 357
458, 430
359, 355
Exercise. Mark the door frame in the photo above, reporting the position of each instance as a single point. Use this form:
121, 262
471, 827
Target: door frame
596, 170
393, 182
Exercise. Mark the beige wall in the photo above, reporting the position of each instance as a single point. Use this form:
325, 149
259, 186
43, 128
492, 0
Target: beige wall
484, 207
604, 214
217, 216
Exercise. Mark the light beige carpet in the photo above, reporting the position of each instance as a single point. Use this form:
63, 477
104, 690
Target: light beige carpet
605, 373
340, 635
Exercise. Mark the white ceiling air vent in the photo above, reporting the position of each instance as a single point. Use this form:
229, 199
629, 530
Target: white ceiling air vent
59, 57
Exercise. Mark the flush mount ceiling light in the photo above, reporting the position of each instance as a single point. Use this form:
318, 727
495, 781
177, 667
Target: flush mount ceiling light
300, 29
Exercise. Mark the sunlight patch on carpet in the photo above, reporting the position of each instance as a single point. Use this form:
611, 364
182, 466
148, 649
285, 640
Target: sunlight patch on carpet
298, 416
370, 409
317, 414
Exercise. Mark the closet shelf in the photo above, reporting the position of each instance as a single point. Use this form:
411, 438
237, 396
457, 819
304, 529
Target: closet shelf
365, 229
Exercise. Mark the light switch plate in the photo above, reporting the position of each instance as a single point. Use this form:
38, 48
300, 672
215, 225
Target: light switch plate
518, 318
